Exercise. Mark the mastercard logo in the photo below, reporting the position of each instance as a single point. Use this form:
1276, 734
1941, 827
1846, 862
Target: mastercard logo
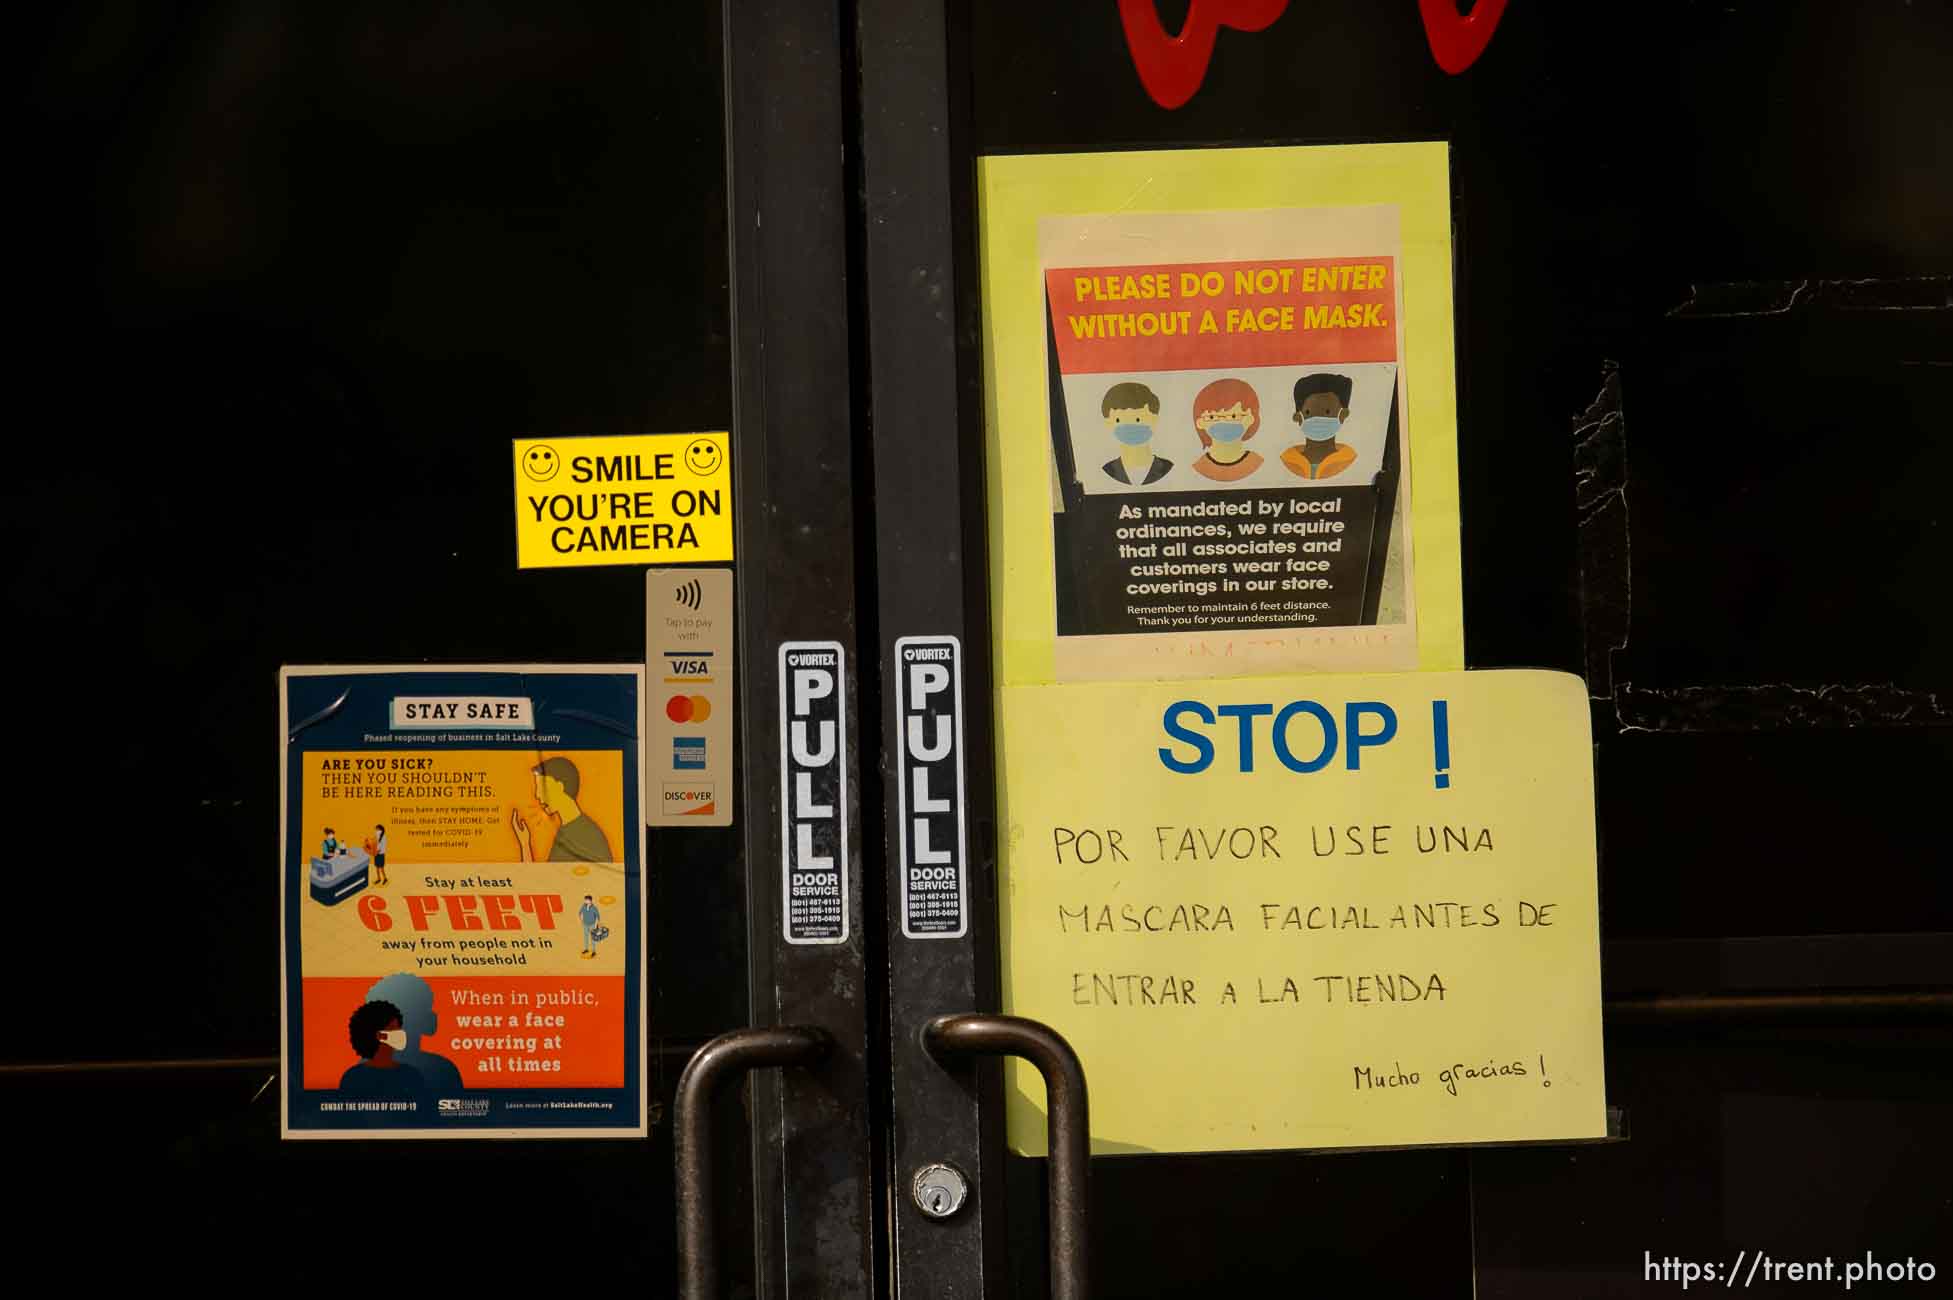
688, 708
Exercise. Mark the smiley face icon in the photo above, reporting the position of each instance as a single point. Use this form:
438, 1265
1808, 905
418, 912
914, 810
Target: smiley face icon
703, 457
540, 463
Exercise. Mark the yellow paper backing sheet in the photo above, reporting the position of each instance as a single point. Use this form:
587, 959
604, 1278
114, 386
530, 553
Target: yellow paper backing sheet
1257, 939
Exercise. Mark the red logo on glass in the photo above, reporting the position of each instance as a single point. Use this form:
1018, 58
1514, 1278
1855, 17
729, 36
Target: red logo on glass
1172, 67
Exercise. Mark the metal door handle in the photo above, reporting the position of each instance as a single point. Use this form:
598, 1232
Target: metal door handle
1068, 1125
725, 1057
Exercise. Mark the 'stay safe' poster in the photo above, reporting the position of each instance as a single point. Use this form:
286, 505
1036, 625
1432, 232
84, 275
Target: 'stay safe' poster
462, 902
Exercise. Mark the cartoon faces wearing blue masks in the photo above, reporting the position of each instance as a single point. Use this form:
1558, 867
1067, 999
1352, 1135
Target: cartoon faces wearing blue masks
1226, 414
1321, 407
1132, 413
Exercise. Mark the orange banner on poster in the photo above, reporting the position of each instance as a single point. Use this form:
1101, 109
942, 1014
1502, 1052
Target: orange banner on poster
1202, 315
487, 1032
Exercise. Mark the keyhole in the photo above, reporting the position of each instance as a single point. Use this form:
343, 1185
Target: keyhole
938, 1190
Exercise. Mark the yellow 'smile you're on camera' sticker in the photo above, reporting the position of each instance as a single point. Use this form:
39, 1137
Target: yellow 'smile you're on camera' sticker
648, 498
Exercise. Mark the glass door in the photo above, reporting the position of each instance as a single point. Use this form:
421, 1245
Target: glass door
1603, 244
301, 275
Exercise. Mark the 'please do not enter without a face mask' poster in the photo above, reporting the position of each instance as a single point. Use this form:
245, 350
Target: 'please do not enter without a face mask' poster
1222, 424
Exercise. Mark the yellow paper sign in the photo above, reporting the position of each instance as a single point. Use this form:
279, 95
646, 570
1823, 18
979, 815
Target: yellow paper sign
1305, 912
656, 498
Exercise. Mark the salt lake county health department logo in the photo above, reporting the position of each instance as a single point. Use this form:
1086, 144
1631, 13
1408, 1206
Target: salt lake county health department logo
688, 800
462, 1107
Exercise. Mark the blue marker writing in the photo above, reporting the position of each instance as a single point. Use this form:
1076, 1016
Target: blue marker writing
1441, 737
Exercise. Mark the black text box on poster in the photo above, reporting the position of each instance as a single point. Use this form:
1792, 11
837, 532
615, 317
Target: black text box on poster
813, 803
929, 749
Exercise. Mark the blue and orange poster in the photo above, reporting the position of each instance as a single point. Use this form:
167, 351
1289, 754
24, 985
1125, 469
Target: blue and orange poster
462, 902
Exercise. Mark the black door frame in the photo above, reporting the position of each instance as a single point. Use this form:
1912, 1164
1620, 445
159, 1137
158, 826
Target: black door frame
925, 440
816, 1190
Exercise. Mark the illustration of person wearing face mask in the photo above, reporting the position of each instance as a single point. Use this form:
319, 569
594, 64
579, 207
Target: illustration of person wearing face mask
1131, 411
413, 998
1321, 406
376, 1035
1226, 414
